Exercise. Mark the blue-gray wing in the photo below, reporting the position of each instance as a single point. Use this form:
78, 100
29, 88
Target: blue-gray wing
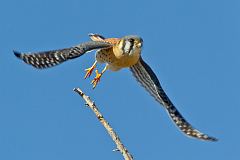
51, 58
144, 74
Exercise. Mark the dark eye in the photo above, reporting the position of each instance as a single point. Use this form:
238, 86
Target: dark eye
131, 40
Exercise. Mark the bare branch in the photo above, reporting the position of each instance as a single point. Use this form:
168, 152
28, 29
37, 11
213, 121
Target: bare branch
111, 132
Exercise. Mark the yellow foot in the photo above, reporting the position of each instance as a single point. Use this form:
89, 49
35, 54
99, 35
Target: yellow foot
89, 71
96, 80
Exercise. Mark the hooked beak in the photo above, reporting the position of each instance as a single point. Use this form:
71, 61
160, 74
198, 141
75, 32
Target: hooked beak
139, 45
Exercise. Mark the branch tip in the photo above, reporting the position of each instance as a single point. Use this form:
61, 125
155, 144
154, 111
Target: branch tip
91, 104
79, 91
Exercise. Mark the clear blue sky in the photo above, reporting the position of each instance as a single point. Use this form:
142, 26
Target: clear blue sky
193, 46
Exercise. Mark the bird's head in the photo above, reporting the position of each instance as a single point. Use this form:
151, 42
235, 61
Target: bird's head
130, 44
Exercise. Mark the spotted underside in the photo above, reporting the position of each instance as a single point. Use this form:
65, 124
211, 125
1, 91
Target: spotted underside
114, 56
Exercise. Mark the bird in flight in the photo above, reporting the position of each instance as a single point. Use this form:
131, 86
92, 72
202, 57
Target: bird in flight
116, 53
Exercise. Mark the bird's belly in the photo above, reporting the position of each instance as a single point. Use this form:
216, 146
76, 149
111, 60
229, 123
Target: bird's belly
116, 62
105, 56
126, 61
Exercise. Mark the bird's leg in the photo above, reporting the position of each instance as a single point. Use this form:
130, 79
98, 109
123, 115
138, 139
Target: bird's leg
90, 70
98, 76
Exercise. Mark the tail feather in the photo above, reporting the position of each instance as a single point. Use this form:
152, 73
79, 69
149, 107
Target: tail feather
96, 37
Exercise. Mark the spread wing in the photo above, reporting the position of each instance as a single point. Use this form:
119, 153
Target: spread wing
144, 74
51, 58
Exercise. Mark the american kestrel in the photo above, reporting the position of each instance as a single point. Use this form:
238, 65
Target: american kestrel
117, 53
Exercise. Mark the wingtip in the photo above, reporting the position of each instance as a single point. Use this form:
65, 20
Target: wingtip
17, 54
205, 137
212, 139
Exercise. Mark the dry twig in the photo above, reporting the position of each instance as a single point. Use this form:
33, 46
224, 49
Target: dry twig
111, 132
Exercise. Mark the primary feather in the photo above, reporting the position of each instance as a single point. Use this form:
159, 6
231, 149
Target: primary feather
144, 74
51, 58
